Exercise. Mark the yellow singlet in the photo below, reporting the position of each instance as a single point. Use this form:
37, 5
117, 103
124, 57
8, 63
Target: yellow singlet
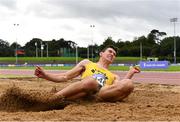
103, 76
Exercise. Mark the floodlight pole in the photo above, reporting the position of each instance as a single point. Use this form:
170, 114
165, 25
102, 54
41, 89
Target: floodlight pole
92, 26
16, 54
174, 20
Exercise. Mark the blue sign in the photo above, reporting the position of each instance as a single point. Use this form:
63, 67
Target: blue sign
154, 64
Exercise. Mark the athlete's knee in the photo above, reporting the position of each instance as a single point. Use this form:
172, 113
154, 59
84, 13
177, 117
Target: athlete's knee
126, 86
89, 84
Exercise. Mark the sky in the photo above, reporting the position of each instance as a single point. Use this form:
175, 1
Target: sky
86, 22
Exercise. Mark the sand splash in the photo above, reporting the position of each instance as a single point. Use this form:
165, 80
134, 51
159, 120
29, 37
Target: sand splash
16, 99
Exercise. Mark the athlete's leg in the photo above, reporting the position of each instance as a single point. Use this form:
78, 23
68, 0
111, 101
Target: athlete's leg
120, 89
79, 88
117, 91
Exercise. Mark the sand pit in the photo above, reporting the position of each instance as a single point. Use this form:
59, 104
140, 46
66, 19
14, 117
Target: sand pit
27, 99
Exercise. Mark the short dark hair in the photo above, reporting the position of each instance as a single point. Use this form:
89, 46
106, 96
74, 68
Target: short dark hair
110, 46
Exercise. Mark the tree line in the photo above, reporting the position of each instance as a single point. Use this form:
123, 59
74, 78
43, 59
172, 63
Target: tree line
155, 44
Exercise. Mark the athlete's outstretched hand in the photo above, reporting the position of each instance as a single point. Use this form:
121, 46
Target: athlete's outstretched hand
135, 69
39, 72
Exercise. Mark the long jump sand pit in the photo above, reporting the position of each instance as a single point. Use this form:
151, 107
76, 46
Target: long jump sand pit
27, 99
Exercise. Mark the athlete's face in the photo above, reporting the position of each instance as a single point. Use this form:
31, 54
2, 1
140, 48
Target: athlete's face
109, 54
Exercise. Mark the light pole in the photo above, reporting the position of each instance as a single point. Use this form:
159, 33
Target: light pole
88, 51
92, 26
42, 49
16, 50
174, 20
76, 53
140, 51
36, 49
47, 50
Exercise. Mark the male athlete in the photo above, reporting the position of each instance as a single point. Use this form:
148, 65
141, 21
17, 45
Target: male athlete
95, 79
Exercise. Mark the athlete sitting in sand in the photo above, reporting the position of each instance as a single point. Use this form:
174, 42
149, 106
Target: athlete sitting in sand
96, 79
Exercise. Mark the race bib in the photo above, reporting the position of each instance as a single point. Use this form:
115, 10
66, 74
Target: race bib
100, 78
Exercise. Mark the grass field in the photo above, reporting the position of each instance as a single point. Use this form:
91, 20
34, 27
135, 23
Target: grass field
118, 68
62, 59
73, 60
40, 59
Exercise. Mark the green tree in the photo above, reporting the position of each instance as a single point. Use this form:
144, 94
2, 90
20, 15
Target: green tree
167, 48
108, 41
30, 47
4, 48
13, 48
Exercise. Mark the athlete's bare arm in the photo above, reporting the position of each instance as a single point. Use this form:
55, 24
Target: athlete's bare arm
129, 74
74, 72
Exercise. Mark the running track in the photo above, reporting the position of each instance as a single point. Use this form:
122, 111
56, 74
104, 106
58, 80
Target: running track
172, 78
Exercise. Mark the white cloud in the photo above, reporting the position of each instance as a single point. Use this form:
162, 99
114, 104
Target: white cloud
71, 19
10, 4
